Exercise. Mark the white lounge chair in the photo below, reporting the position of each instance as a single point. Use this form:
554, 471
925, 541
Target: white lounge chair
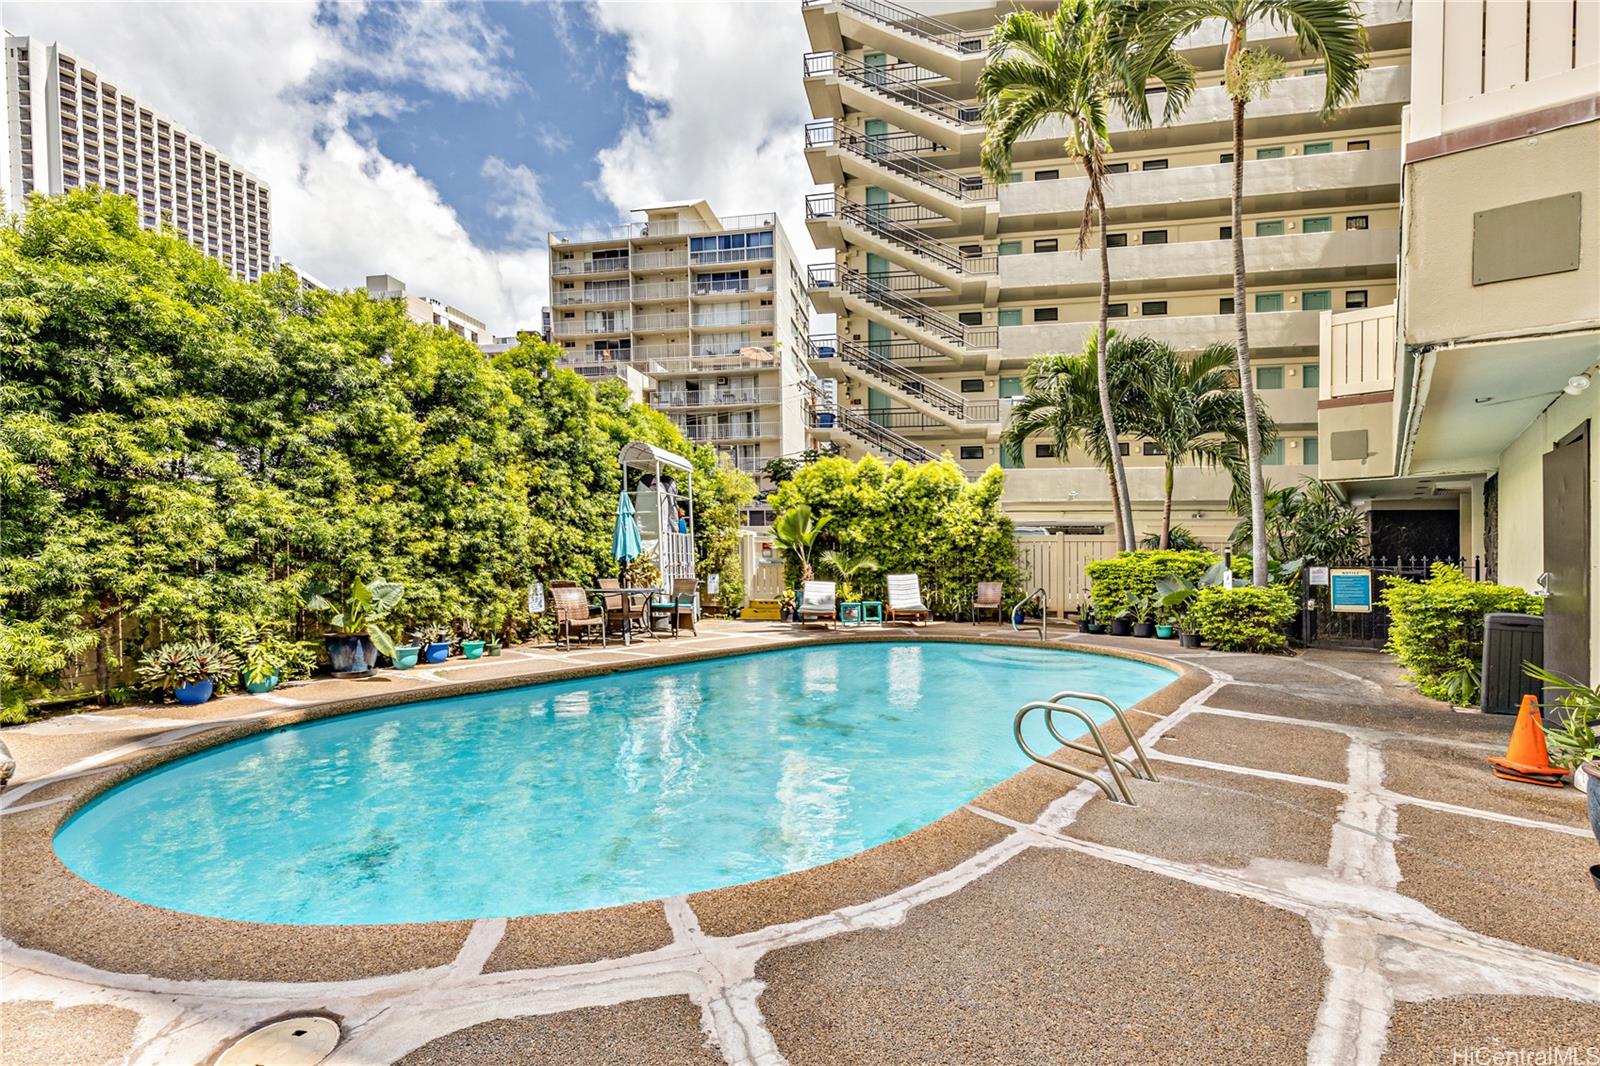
819, 601
905, 599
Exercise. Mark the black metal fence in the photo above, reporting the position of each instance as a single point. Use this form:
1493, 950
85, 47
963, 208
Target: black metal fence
1319, 624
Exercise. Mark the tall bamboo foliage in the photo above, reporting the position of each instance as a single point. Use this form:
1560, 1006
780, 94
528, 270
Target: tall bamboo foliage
1078, 67
1329, 31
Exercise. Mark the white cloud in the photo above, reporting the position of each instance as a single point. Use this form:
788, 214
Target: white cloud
521, 203
731, 110
259, 89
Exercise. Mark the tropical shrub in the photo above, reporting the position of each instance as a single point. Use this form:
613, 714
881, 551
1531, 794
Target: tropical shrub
1244, 618
180, 449
1572, 727
1122, 582
1308, 521
1436, 626
926, 520
31, 660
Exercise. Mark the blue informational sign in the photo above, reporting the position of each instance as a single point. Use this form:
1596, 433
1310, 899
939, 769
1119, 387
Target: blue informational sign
1351, 590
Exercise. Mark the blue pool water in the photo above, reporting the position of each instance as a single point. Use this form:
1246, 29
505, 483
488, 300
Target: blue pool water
584, 793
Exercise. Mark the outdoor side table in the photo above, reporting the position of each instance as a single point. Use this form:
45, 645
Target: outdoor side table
871, 611
850, 613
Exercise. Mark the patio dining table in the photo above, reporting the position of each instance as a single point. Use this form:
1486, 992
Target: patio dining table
650, 592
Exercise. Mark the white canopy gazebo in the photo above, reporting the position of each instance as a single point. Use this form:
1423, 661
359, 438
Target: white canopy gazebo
651, 476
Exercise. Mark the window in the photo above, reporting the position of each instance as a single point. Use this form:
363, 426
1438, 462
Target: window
1355, 298
1270, 228
1224, 233
1319, 148
972, 451
1044, 451
971, 384
1153, 307
1046, 175
1317, 224
1116, 310
1152, 448
1011, 316
1308, 451
970, 318
1310, 375
1269, 301
1153, 164
1046, 314
1122, 448
1355, 222
1116, 168
1317, 300
1015, 175
1273, 456
1269, 377
1047, 244
1269, 153
1010, 247
1153, 236
1357, 146
1116, 240
1011, 386
1225, 305
1226, 157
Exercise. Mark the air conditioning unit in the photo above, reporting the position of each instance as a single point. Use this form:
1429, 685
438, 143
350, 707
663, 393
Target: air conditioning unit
722, 380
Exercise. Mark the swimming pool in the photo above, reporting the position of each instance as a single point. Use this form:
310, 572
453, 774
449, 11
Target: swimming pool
584, 793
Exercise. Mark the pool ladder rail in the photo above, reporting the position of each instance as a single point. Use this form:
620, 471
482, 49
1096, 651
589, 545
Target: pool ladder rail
1044, 611
1056, 705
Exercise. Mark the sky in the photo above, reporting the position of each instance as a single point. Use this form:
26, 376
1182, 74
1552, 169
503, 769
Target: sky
440, 142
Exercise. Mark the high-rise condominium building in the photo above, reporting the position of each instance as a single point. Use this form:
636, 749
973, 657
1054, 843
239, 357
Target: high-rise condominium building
67, 127
427, 311
712, 309
946, 284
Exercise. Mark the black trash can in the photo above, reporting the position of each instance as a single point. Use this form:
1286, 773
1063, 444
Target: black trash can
1509, 640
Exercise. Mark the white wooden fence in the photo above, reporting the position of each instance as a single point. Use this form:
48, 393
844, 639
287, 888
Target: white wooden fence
1055, 562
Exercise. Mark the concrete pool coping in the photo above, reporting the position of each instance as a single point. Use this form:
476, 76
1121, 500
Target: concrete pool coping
44, 906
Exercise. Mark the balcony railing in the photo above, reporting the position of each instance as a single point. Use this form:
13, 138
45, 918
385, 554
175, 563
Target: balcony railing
741, 430
659, 261
732, 288
904, 19
901, 83
754, 316
653, 323
668, 227
590, 296
590, 266
720, 256
719, 397
673, 290
898, 153
577, 327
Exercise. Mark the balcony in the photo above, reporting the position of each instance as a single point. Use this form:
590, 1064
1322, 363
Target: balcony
665, 228
561, 267
640, 262
729, 431
715, 318
565, 298
1270, 332
577, 327
1334, 181
1294, 257
718, 397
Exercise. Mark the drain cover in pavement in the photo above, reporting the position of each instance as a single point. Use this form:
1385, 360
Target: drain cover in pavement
303, 1041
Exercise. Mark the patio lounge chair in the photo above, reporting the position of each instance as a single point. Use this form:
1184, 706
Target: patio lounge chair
988, 599
819, 601
572, 613
905, 599
683, 593
620, 610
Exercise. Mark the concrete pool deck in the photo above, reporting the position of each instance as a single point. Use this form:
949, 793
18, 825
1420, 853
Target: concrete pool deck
1325, 873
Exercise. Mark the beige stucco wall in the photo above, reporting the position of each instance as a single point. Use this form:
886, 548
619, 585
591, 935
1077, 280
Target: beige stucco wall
1441, 302
1521, 507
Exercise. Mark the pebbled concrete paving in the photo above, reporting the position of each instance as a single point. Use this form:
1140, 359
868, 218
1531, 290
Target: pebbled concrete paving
1408, 906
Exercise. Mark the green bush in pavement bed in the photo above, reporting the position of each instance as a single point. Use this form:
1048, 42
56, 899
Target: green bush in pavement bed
1243, 619
1118, 583
1436, 626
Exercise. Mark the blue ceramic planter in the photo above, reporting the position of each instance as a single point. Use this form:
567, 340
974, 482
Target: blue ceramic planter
195, 691
436, 653
405, 656
351, 655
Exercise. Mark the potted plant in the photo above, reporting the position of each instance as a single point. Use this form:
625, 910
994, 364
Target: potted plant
189, 670
434, 639
1086, 623
1122, 624
405, 655
354, 614
1144, 614
269, 656
1572, 726
467, 635
1165, 629
1176, 594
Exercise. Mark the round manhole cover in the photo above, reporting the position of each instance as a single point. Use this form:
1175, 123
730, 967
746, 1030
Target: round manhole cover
303, 1041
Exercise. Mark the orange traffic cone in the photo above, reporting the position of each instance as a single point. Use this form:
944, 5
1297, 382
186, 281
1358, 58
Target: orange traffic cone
1527, 759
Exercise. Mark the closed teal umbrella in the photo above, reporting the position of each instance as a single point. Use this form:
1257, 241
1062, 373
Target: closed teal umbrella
625, 544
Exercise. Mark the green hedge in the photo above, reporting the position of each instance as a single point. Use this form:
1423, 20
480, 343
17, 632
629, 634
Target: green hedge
1115, 582
1243, 619
1436, 626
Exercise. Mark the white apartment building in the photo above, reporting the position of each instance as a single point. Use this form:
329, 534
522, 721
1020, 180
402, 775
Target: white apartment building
427, 311
712, 309
946, 284
67, 127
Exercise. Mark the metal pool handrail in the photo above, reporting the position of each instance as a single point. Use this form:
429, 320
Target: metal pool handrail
1044, 610
1054, 706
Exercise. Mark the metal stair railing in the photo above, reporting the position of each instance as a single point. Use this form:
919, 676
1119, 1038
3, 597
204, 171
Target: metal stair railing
885, 440
898, 86
911, 22
885, 150
908, 383
1054, 706
825, 346
1044, 611
909, 311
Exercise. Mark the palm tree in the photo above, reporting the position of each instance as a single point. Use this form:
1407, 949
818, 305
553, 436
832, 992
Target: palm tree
1327, 30
796, 530
1061, 397
1075, 67
1194, 411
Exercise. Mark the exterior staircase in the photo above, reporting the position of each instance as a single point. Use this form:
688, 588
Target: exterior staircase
877, 368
